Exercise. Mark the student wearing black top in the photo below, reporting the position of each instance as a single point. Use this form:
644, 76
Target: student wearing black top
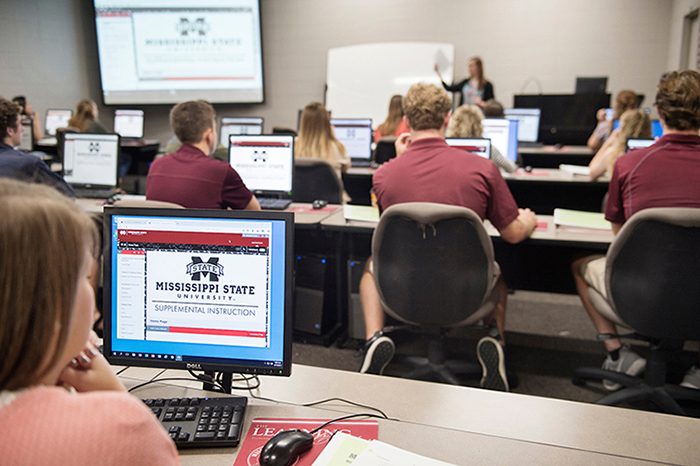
476, 89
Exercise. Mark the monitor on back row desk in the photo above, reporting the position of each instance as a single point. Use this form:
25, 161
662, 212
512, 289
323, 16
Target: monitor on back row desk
528, 122
639, 143
503, 135
199, 289
356, 136
129, 123
90, 160
265, 163
56, 119
657, 130
27, 142
237, 126
478, 146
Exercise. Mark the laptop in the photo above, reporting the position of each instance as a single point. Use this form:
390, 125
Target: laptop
657, 130
90, 163
56, 118
356, 136
239, 126
129, 124
528, 125
503, 135
639, 143
265, 163
27, 142
478, 146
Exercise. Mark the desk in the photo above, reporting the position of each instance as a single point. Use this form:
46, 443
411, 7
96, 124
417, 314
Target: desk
552, 156
460, 425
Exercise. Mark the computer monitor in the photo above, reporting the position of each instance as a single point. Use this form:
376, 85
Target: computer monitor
356, 136
90, 160
478, 146
639, 143
657, 130
528, 122
503, 135
27, 142
128, 123
265, 163
56, 118
238, 126
199, 289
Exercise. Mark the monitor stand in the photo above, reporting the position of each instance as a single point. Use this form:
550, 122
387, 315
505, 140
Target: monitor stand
226, 382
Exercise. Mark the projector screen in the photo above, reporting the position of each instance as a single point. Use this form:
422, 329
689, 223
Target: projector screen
169, 51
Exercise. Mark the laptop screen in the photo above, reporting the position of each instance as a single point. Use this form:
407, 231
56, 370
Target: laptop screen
657, 130
237, 126
265, 163
56, 119
639, 143
356, 136
128, 123
503, 135
479, 146
528, 122
91, 159
27, 142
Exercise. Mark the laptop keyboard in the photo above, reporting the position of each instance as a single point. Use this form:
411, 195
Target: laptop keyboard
272, 203
201, 422
93, 193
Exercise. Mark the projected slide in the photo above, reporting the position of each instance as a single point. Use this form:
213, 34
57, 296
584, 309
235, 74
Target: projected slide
166, 51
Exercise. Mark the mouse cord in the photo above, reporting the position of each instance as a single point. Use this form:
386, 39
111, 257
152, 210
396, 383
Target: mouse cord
342, 419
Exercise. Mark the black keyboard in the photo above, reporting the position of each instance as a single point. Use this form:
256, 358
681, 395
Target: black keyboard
93, 193
201, 422
272, 203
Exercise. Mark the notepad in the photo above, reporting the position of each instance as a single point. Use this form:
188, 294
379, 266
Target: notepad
575, 169
580, 219
361, 213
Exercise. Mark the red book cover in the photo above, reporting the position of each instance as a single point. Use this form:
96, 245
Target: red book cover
261, 430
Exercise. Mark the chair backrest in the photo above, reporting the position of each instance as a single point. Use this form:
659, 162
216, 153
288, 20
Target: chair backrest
315, 179
146, 203
653, 273
385, 149
433, 264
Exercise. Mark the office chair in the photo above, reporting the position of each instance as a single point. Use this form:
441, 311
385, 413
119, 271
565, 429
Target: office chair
385, 150
315, 179
434, 269
651, 278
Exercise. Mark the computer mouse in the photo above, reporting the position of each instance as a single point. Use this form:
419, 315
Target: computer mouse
285, 447
319, 204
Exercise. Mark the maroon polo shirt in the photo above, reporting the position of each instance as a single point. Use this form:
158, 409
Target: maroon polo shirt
432, 171
189, 178
666, 174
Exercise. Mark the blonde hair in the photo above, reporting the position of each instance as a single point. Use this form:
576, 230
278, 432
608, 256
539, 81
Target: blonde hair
393, 120
634, 124
426, 106
84, 114
465, 123
316, 138
43, 240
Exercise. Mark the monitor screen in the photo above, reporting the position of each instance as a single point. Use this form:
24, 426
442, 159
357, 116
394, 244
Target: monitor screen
56, 119
657, 130
198, 289
478, 146
90, 159
639, 143
503, 135
128, 123
528, 122
356, 136
237, 126
27, 142
170, 51
265, 163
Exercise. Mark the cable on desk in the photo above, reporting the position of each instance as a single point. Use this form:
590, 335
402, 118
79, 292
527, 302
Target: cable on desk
344, 418
168, 379
122, 370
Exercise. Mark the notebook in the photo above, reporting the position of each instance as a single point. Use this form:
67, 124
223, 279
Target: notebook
90, 163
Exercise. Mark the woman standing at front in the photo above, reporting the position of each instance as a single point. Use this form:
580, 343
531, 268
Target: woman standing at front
476, 89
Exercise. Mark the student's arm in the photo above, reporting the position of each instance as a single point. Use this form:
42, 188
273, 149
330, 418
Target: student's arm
253, 204
521, 228
601, 160
36, 127
594, 141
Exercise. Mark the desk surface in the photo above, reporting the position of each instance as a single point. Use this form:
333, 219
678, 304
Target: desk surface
554, 150
461, 425
546, 175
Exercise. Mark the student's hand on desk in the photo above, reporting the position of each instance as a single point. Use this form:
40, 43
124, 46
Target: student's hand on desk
402, 143
90, 371
528, 218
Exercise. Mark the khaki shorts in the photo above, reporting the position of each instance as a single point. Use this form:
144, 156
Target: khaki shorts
593, 272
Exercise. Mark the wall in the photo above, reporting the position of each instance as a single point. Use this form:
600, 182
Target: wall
680, 9
47, 48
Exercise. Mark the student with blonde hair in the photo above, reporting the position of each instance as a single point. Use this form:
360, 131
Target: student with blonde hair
393, 125
624, 100
85, 118
60, 401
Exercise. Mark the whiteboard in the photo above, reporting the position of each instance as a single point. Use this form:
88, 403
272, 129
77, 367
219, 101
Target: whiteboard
361, 79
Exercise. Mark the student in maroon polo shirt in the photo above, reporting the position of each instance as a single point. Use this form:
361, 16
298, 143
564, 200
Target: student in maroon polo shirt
665, 174
426, 169
189, 177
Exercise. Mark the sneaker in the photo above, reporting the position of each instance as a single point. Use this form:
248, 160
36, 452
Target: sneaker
628, 362
692, 378
379, 350
493, 366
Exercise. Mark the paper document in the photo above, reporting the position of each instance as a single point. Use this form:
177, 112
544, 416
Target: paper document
361, 212
341, 450
383, 454
575, 169
442, 62
580, 219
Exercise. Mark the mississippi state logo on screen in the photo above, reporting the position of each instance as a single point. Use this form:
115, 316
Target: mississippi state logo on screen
94, 147
199, 269
198, 27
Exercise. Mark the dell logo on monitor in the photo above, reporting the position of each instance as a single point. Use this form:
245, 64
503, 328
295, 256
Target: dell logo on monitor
194, 365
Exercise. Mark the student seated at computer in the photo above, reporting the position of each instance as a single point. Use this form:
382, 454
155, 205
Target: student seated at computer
28, 112
60, 401
189, 177
20, 165
426, 169
624, 100
393, 125
317, 140
476, 89
85, 118
466, 123
634, 124
636, 185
